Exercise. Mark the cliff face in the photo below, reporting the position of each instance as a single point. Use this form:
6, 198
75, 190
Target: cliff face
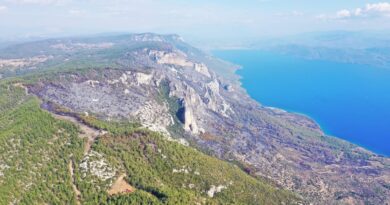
173, 88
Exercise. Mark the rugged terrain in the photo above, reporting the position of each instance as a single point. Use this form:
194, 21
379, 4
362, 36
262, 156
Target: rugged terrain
65, 158
163, 84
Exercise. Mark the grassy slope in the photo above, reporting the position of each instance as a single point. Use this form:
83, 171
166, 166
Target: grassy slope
35, 148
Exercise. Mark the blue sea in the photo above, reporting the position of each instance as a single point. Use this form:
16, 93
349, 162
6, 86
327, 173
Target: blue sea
348, 101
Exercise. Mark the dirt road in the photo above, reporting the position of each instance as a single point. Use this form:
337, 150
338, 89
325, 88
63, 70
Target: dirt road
86, 132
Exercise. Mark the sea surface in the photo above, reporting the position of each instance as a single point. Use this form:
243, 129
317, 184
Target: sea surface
348, 101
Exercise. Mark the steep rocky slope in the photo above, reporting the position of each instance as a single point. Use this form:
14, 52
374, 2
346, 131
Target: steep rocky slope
170, 87
48, 158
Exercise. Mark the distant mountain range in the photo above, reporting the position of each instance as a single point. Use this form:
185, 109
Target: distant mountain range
369, 48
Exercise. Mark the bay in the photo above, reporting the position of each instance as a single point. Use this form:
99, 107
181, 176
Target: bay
348, 101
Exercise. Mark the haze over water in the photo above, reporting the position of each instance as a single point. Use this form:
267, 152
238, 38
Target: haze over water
349, 101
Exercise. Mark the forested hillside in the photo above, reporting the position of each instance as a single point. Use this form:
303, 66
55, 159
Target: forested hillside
43, 162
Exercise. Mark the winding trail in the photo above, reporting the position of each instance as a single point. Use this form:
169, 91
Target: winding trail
91, 134
120, 186
75, 189
87, 132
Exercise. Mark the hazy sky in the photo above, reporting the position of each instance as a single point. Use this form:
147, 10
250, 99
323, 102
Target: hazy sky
197, 19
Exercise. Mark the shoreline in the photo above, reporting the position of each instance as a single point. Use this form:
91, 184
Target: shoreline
327, 132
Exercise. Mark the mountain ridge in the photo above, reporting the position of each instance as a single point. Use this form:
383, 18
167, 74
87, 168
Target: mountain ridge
170, 87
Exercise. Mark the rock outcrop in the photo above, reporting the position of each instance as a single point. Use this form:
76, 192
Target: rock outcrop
165, 84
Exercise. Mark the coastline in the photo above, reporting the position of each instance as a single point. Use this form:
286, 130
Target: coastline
325, 129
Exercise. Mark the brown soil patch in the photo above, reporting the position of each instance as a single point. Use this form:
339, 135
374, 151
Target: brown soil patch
120, 186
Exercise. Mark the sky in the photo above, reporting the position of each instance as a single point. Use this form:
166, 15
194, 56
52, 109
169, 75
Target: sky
214, 20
